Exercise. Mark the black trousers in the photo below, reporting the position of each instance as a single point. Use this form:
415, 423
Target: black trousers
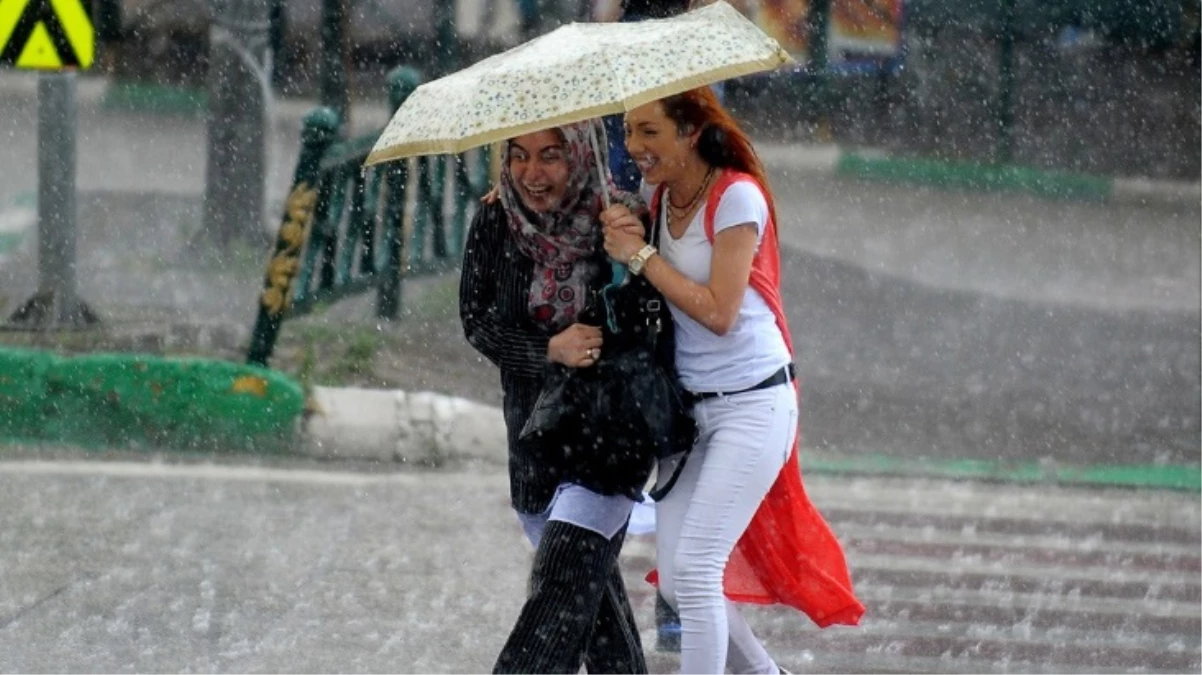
577, 612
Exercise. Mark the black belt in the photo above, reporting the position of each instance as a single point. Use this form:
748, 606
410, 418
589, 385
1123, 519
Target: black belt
785, 374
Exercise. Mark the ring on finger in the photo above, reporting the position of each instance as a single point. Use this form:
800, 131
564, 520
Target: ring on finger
594, 353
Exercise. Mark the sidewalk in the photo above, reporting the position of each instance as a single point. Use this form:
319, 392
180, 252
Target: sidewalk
431, 429
874, 164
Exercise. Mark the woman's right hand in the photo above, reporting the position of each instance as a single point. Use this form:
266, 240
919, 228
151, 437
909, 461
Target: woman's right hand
619, 217
577, 346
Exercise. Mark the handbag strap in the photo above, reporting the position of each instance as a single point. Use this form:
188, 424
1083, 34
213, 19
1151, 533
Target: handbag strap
657, 223
656, 218
659, 493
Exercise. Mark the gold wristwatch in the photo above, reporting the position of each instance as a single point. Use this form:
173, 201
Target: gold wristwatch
639, 261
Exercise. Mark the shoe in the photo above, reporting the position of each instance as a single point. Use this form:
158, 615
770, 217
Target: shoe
667, 627
667, 638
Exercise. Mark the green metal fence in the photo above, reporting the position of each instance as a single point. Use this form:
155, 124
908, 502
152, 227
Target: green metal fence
344, 229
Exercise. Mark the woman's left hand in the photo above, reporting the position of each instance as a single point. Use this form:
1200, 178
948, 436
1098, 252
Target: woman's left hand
622, 244
491, 196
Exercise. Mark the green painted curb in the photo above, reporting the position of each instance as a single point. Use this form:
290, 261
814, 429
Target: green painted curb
10, 240
976, 176
155, 98
123, 400
22, 392
1169, 477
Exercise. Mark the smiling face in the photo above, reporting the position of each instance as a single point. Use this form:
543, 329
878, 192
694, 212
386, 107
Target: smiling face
538, 163
656, 144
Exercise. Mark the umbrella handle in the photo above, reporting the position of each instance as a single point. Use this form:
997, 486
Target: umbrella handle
618, 270
602, 170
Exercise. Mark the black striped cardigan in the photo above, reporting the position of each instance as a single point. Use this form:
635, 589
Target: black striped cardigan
494, 288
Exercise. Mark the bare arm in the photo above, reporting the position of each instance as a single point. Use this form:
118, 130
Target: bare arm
714, 305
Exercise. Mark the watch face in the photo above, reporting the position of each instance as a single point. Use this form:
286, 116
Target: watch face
640, 260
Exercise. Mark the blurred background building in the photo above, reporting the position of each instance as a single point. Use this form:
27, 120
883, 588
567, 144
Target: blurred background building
1100, 86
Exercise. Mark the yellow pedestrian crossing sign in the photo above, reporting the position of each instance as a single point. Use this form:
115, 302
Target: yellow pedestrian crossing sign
46, 34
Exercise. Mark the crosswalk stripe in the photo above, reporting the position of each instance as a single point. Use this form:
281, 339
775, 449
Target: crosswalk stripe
1053, 505
871, 594
1015, 569
1025, 634
1040, 619
853, 531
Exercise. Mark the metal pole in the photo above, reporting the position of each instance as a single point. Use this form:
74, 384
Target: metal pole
402, 81
819, 20
56, 303
818, 28
56, 184
239, 87
109, 33
446, 37
1197, 83
277, 31
1005, 102
334, 54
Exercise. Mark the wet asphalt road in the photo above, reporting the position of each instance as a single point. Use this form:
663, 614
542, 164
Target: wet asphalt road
111, 566
901, 369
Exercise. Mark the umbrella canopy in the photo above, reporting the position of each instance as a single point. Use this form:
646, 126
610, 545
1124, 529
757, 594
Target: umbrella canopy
578, 71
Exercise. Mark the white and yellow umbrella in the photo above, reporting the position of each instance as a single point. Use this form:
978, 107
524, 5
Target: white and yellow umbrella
576, 72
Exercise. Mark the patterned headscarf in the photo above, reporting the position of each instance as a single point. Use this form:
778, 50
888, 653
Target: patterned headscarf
564, 243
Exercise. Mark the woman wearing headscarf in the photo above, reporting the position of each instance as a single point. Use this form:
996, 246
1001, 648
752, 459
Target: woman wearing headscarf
532, 265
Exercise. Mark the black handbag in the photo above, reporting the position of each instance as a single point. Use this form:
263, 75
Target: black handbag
608, 424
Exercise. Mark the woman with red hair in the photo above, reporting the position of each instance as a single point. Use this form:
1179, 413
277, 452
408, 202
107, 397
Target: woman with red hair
737, 522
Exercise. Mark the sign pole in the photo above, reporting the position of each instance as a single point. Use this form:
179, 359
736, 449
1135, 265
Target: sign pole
56, 304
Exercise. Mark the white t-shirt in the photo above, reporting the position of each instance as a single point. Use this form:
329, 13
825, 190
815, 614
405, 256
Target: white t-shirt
753, 349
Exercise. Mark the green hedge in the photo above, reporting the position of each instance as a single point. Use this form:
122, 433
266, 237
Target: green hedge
977, 176
119, 400
22, 391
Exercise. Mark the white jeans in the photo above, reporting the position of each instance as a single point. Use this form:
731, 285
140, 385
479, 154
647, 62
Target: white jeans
744, 441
